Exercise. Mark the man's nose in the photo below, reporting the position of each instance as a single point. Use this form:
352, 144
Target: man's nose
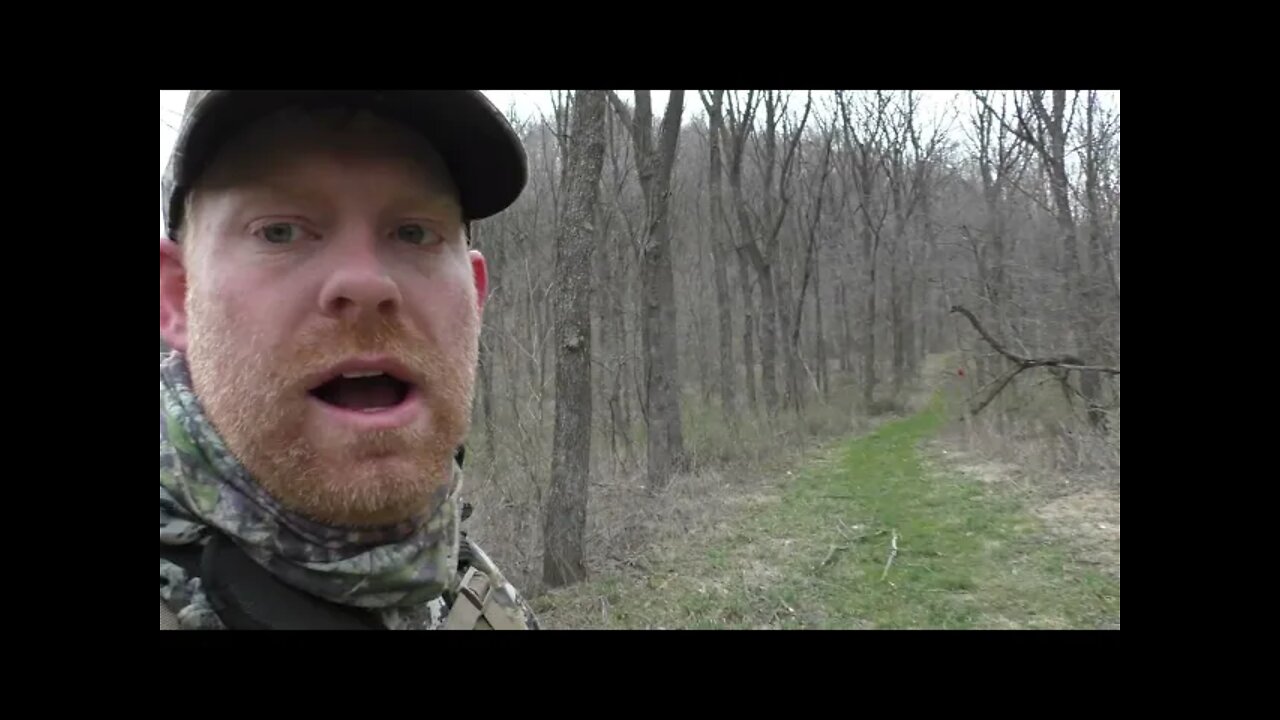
359, 286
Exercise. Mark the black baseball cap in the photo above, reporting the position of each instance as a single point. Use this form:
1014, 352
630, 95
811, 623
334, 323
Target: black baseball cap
481, 150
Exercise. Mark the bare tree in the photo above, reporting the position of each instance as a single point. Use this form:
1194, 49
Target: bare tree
758, 237
1101, 129
714, 104
618, 238
662, 393
786, 257
565, 524
907, 160
734, 138
811, 268
862, 138
1046, 129
1000, 160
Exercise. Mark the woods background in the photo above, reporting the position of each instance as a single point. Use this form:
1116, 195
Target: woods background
712, 284
685, 295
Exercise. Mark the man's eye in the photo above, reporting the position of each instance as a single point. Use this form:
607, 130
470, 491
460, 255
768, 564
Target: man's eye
280, 233
416, 235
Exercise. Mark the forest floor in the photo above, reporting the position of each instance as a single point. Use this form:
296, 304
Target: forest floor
977, 546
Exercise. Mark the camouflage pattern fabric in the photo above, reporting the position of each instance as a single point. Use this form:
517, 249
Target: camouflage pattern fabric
506, 608
404, 573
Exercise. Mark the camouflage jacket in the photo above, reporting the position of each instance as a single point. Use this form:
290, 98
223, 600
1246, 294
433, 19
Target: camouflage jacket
245, 552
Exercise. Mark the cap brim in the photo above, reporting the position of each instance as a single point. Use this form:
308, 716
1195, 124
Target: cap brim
478, 145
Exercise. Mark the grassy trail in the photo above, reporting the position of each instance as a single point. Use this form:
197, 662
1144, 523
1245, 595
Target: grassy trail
816, 555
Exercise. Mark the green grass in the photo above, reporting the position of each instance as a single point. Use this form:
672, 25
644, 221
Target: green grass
814, 556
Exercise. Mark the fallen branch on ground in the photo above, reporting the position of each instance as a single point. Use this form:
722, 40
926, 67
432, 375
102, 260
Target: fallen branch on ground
840, 529
777, 613
893, 553
634, 561
831, 556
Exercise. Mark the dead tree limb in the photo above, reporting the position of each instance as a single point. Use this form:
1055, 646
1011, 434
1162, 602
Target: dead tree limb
1065, 362
996, 390
831, 557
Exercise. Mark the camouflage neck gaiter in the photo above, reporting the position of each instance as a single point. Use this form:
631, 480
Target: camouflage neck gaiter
400, 571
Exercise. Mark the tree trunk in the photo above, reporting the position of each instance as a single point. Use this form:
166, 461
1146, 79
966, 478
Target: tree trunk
809, 268
633, 401
700, 344
768, 338
564, 529
821, 350
725, 308
869, 330
1082, 330
748, 331
1052, 148
608, 352
846, 337
898, 322
760, 237
720, 252
909, 322
484, 364
485, 368
1091, 383
657, 284
788, 327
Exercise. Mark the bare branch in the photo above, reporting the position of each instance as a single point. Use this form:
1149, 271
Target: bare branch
1066, 362
997, 389
621, 108
1021, 135
771, 245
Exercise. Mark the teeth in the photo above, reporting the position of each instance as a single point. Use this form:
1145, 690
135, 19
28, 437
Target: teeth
352, 375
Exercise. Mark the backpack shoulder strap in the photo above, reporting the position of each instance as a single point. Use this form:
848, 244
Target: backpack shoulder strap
484, 600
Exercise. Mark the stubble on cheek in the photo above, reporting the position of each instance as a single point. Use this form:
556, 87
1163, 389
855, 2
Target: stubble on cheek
251, 385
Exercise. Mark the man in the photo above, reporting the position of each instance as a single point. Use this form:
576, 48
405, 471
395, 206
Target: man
323, 309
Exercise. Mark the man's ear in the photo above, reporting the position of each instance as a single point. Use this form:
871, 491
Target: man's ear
173, 296
481, 272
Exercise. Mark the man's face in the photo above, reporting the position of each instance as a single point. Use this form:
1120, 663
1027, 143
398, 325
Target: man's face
329, 309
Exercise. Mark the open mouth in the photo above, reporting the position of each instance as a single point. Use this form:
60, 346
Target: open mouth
367, 391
